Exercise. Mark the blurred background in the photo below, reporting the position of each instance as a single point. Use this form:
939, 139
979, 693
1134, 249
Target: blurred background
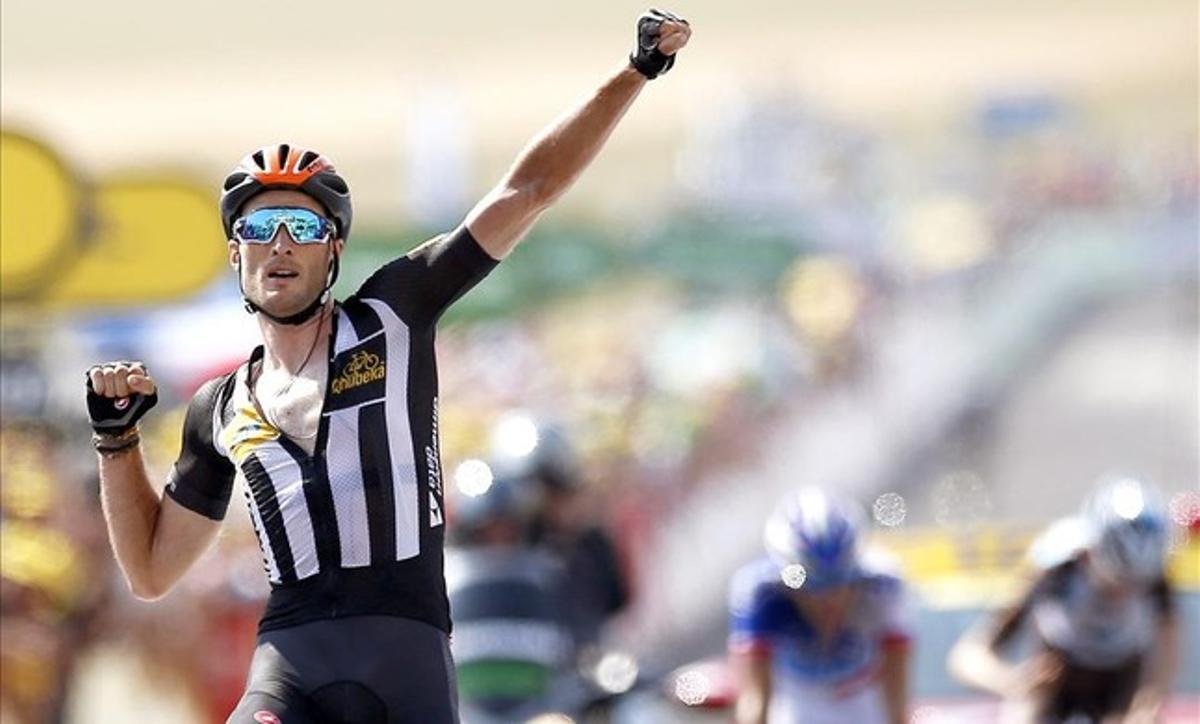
940, 256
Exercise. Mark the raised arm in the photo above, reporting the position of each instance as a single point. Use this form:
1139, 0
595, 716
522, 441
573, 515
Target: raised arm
155, 539
555, 158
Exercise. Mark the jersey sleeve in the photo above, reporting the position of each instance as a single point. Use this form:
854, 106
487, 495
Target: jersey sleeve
896, 615
752, 619
423, 284
202, 478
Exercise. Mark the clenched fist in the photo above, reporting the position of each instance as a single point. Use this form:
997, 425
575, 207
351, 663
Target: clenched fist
660, 35
118, 395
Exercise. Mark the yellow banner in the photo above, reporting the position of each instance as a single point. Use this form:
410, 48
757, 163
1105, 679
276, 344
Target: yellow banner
149, 240
154, 241
40, 215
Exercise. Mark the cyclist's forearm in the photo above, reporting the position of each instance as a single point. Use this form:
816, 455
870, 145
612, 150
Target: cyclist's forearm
131, 510
750, 710
974, 663
754, 683
1164, 662
556, 157
550, 164
895, 683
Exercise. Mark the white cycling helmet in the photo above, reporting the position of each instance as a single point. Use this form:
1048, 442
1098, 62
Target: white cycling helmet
1129, 529
818, 533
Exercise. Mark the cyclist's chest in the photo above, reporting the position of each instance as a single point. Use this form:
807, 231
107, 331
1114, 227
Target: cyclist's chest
1081, 613
343, 427
808, 654
293, 404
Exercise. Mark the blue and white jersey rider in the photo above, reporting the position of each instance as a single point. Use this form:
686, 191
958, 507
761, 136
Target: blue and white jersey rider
826, 623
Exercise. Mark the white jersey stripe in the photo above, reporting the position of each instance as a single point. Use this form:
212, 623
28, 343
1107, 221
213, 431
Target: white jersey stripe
293, 506
346, 336
346, 486
400, 439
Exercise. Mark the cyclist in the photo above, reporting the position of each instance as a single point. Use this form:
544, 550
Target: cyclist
562, 523
1101, 610
819, 629
332, 425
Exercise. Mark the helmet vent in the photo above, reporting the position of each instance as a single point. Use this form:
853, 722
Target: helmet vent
258, 158
234, 180
284, 150
307, 158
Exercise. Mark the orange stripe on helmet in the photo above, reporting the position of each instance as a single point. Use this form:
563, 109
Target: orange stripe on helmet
286, 174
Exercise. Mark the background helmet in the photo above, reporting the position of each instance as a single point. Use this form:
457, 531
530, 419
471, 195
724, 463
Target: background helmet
507, 500
817, 531
1129, 529
537, 450
283, 166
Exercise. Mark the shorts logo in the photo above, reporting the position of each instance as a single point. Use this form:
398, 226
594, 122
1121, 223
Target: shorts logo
363, 368
262, 716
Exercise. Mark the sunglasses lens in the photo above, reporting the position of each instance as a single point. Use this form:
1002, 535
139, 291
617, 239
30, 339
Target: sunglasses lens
257, 228
307, 227
304, 226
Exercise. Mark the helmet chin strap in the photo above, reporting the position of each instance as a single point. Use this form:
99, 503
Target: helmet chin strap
304, 314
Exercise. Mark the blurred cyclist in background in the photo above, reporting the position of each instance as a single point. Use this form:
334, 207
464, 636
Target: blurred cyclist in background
1103, 614
819, 629
332, 424
551, 487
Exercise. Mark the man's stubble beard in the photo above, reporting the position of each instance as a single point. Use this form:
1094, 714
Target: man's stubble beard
259, 296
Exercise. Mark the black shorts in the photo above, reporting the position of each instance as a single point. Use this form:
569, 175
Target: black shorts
355, 670
1094, 693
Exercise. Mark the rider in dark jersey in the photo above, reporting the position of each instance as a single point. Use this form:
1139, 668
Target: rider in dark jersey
1101, 610
331, 426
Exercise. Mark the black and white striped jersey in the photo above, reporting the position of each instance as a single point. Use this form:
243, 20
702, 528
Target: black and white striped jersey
356, 527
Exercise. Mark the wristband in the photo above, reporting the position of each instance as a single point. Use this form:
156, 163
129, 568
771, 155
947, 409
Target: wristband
114, 445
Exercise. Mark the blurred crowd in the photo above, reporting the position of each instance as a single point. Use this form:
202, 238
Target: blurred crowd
791, 239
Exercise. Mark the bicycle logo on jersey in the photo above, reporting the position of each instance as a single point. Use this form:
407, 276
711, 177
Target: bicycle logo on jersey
363, 368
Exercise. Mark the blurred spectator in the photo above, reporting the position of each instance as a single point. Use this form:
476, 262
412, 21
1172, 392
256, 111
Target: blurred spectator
538, 460
54, 587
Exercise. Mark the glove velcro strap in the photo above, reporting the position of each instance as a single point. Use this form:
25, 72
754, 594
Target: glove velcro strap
652, 63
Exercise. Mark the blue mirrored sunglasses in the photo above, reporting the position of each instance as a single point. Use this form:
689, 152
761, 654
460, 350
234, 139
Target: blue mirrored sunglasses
303, 225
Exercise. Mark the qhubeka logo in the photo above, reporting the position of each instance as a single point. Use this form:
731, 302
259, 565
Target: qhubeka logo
359, 375
362, 369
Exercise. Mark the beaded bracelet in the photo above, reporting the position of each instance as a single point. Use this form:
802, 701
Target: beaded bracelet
114, 445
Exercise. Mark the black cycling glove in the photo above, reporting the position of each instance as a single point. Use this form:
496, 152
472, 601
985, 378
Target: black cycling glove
117, 415
646, 58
